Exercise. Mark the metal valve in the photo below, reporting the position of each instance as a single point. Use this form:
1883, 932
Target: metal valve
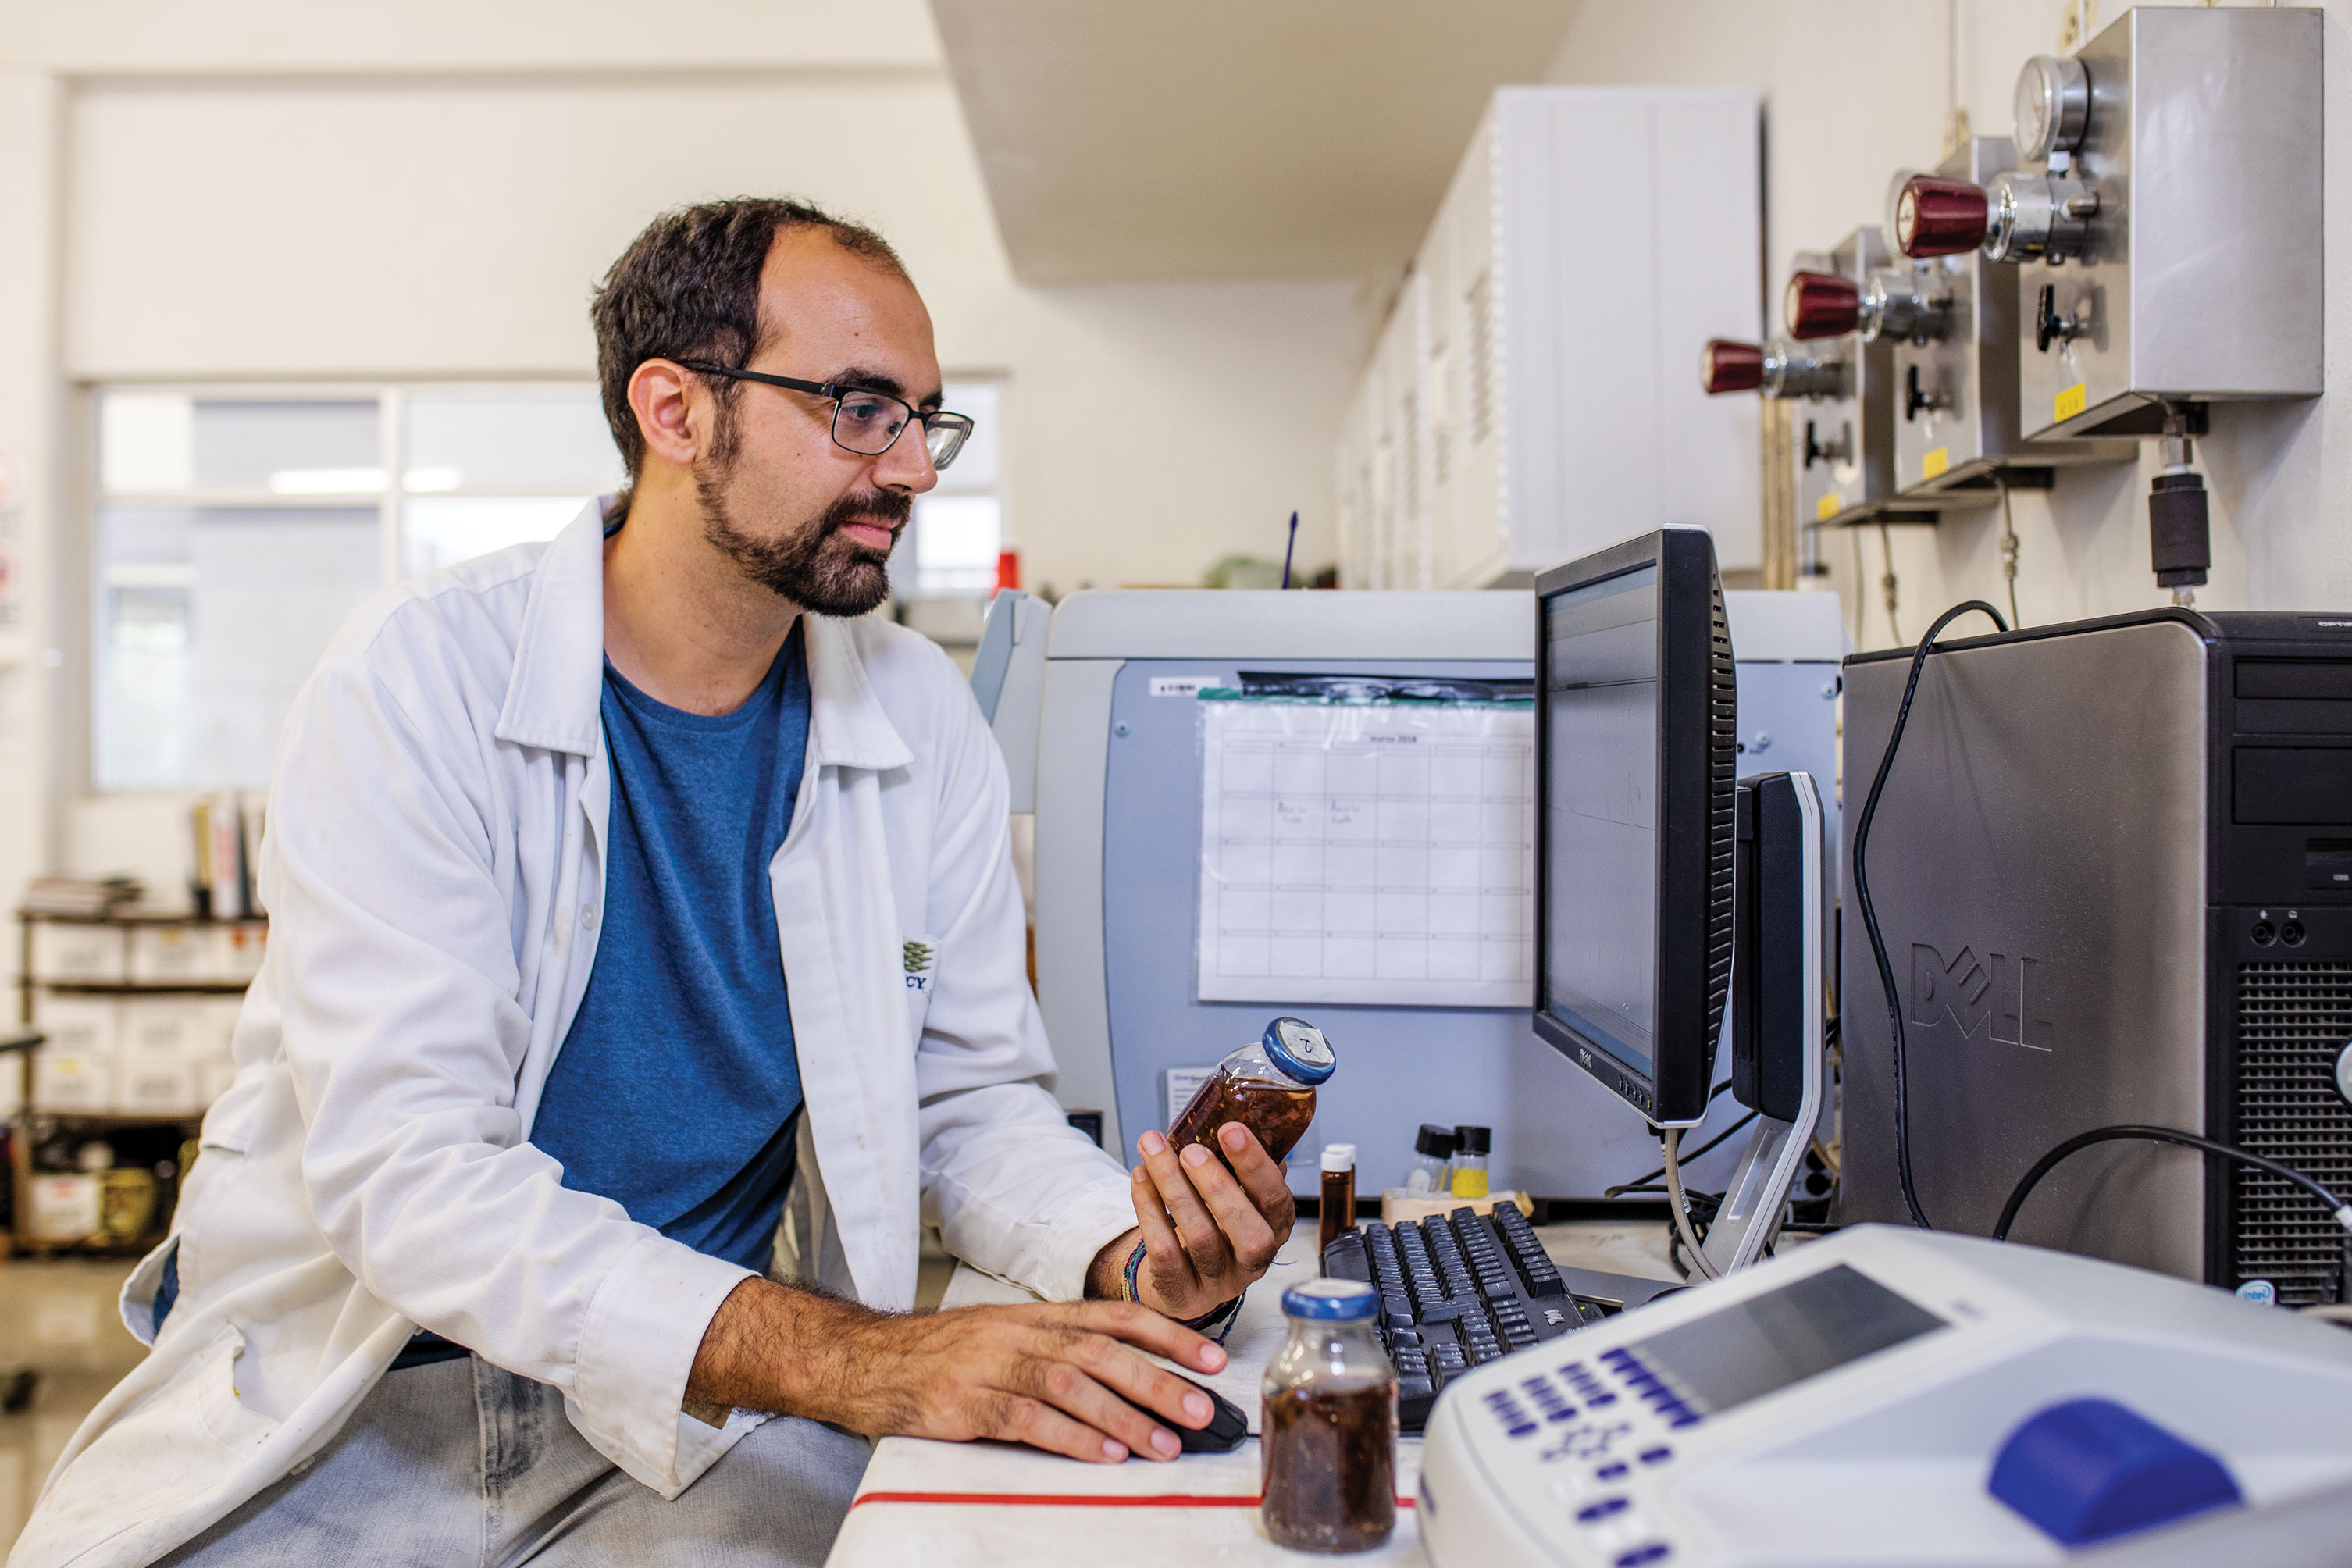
1838, 451
1898, 304
1915, 400
1820, 305
1776, 370
2050, 326
2018, 216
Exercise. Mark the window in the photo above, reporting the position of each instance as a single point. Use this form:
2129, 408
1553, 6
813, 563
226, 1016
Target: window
234, 529
959, 528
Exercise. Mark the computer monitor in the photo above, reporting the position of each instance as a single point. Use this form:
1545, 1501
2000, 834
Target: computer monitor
1635, 747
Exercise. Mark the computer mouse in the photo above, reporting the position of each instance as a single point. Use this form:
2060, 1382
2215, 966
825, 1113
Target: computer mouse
1226, 1429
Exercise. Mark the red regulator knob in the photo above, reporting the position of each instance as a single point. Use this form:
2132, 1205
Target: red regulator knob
1727, 366
1820, 305
1939, 217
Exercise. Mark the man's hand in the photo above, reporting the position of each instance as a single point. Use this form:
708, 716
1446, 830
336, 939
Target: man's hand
1208, 1233
1054, 1376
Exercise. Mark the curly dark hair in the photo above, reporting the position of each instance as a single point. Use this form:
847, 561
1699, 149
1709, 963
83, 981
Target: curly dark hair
689, 288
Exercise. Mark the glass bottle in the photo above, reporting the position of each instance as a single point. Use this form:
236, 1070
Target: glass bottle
1268, 1087
1432, 1147
1329, 1424
1338, 1207
1468, 1172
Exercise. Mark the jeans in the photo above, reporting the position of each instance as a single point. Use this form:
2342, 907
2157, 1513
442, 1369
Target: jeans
460, 1463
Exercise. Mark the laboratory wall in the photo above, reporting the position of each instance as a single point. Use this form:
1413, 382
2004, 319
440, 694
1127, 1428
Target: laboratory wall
1855, 89
310, 196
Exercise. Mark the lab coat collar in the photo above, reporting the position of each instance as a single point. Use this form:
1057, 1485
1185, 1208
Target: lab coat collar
553, 699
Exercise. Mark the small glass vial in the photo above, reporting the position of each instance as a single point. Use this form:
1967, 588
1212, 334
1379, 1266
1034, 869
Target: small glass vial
1338, 1207
1268, 1087
1329, 1424
1468, 1172
1432, 1148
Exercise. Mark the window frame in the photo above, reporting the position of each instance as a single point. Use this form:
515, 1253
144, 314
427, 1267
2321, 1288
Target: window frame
91, 578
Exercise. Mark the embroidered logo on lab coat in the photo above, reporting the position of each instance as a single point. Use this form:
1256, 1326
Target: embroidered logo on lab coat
918, 957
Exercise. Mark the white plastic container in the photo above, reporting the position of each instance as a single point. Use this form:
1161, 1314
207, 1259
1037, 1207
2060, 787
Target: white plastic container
79, 953
174, 955
160, 1057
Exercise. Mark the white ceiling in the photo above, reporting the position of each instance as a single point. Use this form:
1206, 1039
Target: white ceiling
1125, 141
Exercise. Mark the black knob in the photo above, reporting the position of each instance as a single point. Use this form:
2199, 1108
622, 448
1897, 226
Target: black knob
2048, 324
1915, 399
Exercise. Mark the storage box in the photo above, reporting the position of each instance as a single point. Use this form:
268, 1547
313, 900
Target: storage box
64, 1207
79, 953
75, 1070
73, 1080
173, 954
157, 1062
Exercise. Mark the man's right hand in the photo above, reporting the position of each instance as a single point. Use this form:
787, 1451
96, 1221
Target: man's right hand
1056, 1376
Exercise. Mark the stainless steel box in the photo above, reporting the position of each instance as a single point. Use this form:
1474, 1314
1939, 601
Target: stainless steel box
2199, 278
1844, 444
2113, 869
1953, 323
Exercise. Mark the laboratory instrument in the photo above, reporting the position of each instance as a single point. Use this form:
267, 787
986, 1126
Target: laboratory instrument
2112, 866
1888, 1396
1123, 777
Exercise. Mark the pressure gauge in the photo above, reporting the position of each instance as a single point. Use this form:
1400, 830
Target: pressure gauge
2053, 106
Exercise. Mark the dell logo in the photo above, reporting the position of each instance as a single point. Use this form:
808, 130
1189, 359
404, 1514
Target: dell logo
1998, 994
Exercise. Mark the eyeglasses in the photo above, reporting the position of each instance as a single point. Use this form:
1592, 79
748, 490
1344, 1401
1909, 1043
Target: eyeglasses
866, 422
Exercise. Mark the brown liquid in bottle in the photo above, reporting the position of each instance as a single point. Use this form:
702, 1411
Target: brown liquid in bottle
1278, 1116
1330, 1467
1339, 1205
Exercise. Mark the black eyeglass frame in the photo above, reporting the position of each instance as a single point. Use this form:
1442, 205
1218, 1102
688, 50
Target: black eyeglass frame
961, 429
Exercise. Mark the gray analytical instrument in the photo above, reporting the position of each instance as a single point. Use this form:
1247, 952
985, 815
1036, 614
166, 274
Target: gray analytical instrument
1888, 1396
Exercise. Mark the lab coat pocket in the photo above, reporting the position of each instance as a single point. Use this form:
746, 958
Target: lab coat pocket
86, 1501
919, 958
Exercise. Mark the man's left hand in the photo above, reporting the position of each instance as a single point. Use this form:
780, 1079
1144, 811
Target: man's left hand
1208, 1232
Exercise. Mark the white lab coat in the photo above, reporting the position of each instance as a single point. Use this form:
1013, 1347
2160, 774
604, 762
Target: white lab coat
435, 870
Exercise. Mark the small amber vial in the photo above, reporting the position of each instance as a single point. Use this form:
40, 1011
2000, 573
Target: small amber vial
1329, 1424
1338, 1207
1268, 1087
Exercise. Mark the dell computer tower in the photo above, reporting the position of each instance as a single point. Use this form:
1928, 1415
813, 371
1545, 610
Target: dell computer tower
2112, 867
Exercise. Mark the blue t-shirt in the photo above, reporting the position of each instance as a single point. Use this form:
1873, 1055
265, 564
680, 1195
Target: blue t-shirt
677, 1093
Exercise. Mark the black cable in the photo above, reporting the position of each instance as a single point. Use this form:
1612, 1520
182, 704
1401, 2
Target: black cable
1870, 916
1683, 1159
2043, 1166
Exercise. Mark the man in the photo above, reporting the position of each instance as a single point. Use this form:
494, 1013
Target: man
622, 887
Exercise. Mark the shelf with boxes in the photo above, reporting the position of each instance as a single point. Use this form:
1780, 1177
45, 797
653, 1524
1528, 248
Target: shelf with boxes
136, 1011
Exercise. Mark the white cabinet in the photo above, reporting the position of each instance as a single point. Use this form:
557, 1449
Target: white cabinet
1534, 393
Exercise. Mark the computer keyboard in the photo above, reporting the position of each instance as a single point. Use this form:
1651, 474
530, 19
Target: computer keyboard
1457, 1291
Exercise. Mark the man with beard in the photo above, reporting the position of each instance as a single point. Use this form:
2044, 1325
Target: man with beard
646, 968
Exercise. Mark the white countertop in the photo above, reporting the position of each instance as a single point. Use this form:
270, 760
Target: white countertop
990, 1504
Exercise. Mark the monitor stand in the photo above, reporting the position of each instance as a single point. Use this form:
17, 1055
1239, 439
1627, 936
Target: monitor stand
1777, 1008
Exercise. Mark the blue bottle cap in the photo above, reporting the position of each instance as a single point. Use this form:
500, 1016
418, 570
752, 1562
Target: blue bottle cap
1332, 1301
1298, 1048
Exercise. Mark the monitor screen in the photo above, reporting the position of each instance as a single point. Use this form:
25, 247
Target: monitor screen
1636, 710
1600, 850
